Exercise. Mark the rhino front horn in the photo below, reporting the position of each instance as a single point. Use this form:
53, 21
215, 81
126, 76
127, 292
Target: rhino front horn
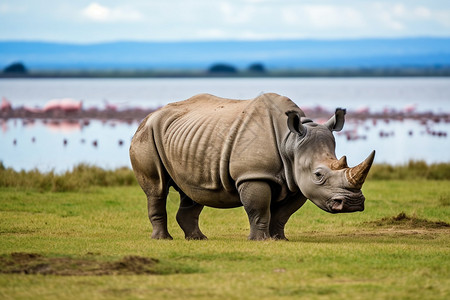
357, 175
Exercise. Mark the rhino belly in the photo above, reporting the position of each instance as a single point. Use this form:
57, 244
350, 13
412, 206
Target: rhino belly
211, 198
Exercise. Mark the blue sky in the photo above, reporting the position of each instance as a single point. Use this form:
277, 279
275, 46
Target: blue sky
89, 21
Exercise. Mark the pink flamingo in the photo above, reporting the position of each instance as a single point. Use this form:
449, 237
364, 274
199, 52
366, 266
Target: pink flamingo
6, 105
110, 106
363, 110
65, 104
410, 108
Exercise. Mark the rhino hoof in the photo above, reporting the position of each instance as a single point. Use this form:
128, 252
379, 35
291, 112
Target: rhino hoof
279, 238
259, 237
161, 236
197, 238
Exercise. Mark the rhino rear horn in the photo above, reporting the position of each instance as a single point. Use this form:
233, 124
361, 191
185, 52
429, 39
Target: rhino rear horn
357, 175
336, 122
294, 123
340, 164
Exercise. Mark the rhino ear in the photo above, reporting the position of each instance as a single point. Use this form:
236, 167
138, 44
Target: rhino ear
336, 122
294, 123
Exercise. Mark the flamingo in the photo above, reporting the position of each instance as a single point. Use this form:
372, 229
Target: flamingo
65, 104
410, 108
6, 105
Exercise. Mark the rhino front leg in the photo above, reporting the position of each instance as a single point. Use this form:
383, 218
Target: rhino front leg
255, 197
281, 212
187, 218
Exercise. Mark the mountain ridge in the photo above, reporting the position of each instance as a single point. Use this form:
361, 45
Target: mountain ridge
421, 52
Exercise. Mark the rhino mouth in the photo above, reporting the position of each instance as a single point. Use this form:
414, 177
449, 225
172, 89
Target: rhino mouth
347, 203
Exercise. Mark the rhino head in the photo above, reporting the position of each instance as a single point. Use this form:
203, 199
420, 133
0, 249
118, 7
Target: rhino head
328, 182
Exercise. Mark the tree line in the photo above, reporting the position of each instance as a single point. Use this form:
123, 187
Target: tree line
257, 69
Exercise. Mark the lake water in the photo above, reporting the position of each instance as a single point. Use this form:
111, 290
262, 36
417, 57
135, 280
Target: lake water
352, 93
51, 146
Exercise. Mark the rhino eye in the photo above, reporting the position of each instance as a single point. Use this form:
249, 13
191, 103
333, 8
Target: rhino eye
318, 175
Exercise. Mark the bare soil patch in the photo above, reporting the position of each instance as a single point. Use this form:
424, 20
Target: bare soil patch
404, 221
32, 263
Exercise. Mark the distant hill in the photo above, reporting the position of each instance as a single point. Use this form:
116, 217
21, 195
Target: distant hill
294, 54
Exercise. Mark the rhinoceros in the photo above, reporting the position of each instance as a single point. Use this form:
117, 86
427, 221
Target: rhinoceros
262, 154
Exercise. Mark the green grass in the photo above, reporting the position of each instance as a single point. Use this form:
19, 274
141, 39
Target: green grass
83, 177
398, 248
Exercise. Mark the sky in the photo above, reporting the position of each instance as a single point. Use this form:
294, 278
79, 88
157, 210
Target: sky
80, 21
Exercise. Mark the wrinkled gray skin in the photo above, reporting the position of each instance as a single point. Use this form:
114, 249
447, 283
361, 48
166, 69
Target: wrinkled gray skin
262, 154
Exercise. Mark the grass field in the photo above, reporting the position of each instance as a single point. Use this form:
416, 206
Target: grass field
398, 248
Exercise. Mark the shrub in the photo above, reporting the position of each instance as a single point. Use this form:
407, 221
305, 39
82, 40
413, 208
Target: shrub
257, 68
411, 170
222, 69
81, 177
17, 68
84, 176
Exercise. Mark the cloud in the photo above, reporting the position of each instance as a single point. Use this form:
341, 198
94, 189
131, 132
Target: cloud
320, 20
238, 14
100, 13
390, 18
96, 12
401, 17
422, 12
330, 16
223, 19
7, 8
443, 17
271, 19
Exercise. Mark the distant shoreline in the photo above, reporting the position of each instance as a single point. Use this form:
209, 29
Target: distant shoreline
137, 114
443, 71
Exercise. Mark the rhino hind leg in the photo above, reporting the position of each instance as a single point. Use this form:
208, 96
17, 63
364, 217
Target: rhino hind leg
156, 205
158, 217
155, 182
187, 217
255, 197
